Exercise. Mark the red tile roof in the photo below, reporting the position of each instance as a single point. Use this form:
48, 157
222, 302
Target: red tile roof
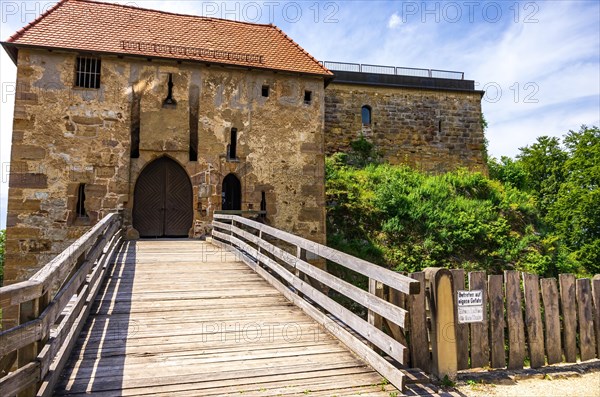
87, 25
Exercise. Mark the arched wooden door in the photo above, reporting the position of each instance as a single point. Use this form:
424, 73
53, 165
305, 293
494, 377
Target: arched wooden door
232, 193
163, 200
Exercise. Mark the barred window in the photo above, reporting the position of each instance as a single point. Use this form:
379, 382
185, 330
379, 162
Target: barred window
88, 72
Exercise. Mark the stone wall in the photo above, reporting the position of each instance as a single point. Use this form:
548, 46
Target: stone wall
64, 137
432, 130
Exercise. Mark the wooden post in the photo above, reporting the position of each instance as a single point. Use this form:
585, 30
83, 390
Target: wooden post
28, 311
596, 299
585, 314
462, 330
442, 303
375, 288
300, 254
497, 323
533, 320
480, 352
551, 320
569, 313
514, 317
419, 343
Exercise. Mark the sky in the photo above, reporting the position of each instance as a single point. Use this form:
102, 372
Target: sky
537, 61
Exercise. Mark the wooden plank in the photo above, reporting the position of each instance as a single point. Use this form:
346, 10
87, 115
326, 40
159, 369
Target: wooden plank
374, 335
18, 293
160, 361
20, 336
596, 299
462, 330
419, 343
514, 315
54, 273
587, 337
569, 314
376, 290
497, 323
480, 352
383, 275
21, 379
533, 320
373, 302
381, 365
377, 337
397, 298
551, 320
58, 360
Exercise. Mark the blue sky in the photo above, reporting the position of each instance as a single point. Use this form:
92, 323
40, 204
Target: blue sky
539, 61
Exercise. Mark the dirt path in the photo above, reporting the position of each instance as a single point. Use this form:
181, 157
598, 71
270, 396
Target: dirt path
571, 384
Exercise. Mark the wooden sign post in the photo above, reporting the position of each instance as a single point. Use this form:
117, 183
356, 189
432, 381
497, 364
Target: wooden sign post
442, 304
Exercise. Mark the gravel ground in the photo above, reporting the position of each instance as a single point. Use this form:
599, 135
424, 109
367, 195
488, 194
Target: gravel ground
582, 383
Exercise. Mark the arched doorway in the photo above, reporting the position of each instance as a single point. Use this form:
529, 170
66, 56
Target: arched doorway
232, 193
163, 200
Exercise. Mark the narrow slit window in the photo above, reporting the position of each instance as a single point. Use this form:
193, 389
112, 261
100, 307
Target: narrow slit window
366, 115
81, 212
169, 100
263, 201
87, 73
233, 145
265, 91
307, 97
440, 126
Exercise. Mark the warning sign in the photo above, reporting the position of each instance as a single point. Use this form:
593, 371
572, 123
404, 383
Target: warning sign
470, 306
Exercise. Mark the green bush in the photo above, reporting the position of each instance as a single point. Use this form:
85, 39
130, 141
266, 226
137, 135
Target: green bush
407, 220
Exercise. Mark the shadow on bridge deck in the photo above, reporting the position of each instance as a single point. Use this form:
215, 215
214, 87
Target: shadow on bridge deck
184, 318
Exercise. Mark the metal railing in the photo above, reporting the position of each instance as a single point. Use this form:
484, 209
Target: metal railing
392, 70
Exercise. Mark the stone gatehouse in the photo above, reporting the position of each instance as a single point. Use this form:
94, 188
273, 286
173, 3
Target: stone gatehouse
115, 112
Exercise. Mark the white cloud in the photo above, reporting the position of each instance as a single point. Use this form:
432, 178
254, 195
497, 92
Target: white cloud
394, 21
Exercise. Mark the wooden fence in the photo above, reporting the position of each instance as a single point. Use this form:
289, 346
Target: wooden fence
53, 306
527, 321
301, 282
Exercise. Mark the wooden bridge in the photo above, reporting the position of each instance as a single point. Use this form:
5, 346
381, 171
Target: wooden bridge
244, 313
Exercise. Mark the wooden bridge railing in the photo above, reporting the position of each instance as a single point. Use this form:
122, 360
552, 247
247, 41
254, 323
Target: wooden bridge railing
53, 306
291, 275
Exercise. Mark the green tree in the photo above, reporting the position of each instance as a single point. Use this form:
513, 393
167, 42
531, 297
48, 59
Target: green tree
575, 214
543, 163
507, 170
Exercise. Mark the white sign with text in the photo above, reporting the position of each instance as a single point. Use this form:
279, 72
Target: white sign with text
470, 306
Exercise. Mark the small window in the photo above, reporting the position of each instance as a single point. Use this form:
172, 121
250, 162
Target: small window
265, 91
232, 155
307, 97
366, 115
440, 126
81, 212
88, 72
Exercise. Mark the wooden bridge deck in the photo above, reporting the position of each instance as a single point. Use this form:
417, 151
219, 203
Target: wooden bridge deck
184, 318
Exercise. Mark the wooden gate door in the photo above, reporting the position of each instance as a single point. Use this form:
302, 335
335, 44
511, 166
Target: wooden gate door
163, 200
